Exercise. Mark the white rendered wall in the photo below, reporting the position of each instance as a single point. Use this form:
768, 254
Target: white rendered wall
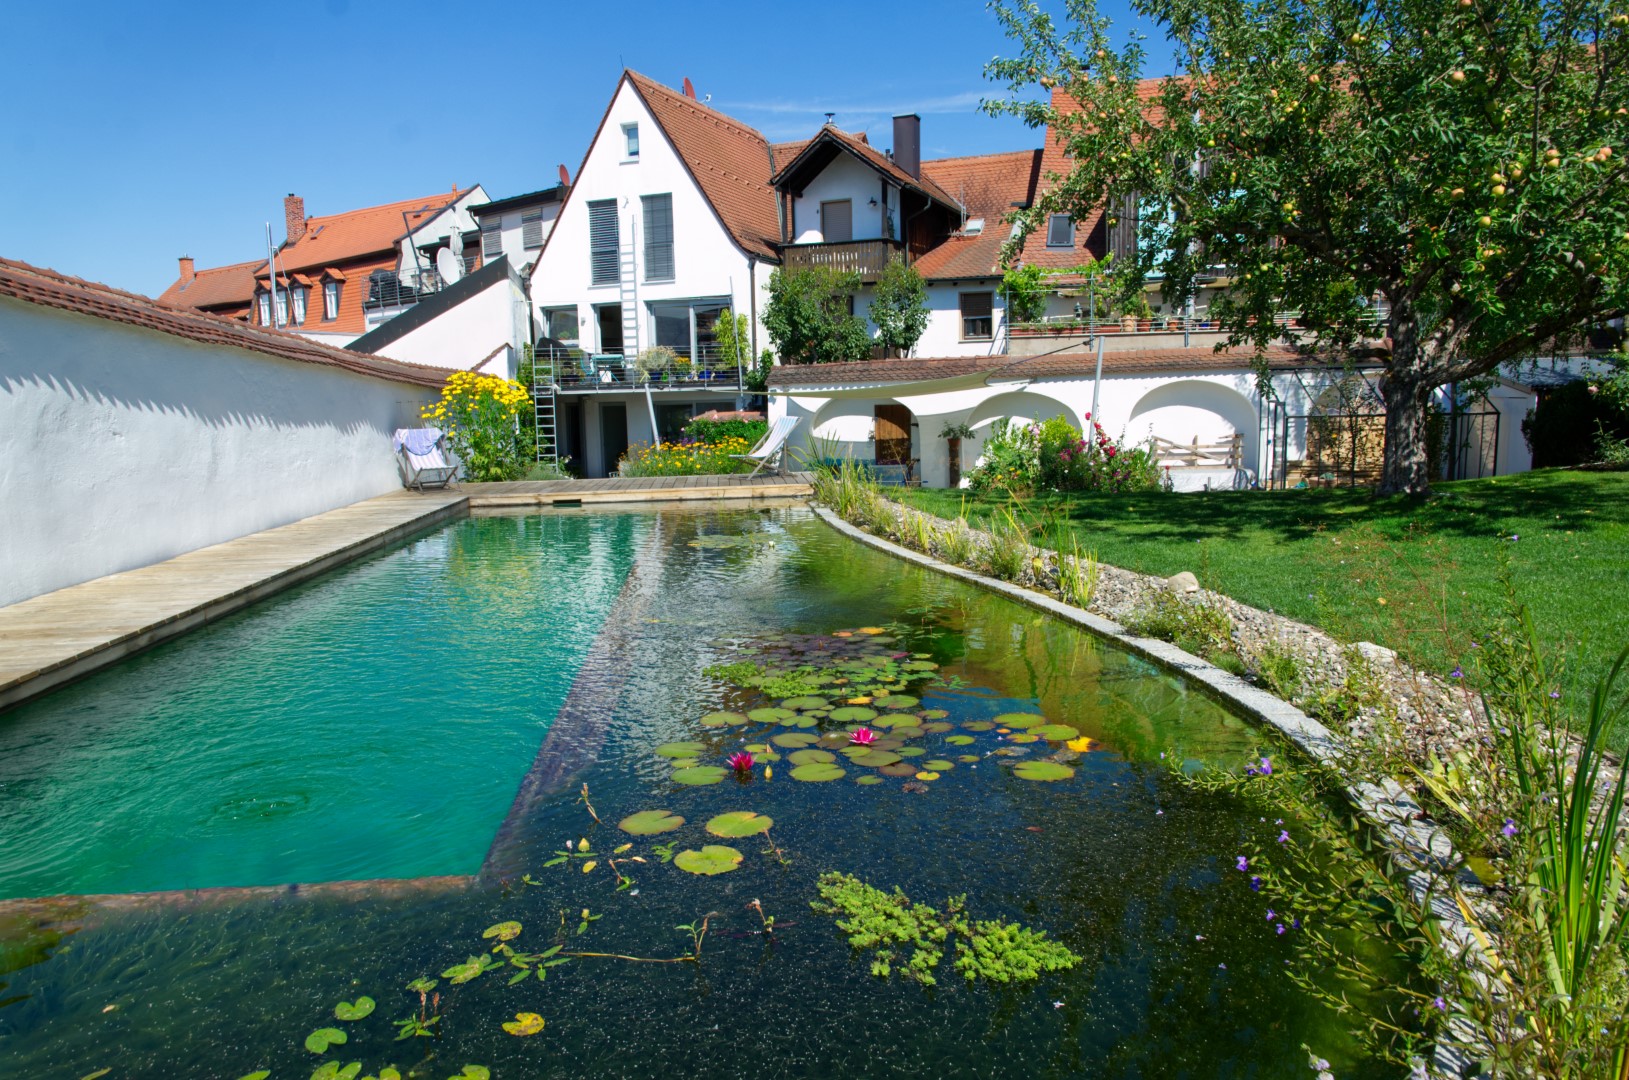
594, 462
707, 261
434, 233
943, 337
845, 178
121, 447
510, 232
463, 336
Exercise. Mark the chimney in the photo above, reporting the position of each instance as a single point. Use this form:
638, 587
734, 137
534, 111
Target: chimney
908, 143
565, 177
689, 88
186, 270
294, 212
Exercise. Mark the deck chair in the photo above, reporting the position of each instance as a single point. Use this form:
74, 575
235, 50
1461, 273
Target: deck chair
421, 454
772, 446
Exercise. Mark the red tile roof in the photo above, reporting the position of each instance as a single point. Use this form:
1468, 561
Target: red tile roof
221, 287
1055, 365
355, 234
989, 185
861, 147
729, 161
47, 288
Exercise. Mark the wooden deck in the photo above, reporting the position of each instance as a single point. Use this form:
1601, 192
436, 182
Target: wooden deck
636, 490
48, 640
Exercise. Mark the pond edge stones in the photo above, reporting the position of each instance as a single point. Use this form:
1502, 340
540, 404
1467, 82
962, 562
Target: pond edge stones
1413, 840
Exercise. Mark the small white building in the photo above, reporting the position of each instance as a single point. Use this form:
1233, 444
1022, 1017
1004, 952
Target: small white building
517, 227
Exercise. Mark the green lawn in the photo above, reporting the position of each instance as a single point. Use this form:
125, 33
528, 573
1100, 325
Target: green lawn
1419, 576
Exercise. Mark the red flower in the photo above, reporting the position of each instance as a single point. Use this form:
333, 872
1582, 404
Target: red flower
740, 761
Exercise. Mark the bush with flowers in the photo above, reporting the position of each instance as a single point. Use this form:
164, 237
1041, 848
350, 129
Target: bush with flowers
688, 458
1053, 456
478, 414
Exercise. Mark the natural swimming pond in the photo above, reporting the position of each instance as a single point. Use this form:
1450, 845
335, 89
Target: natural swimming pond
378, 723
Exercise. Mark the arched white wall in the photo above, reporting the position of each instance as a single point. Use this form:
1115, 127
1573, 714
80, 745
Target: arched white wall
1195, 409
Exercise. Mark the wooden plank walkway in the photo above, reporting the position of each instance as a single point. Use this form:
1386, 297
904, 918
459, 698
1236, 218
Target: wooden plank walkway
637, 489
48, 640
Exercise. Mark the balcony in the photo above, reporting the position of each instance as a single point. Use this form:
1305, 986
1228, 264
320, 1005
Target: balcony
864, 257
577, 372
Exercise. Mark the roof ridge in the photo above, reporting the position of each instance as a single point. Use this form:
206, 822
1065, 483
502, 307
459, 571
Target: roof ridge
977, 157
707, 111
429, 201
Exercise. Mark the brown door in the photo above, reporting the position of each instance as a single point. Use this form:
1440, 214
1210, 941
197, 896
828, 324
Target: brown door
891, 431
837, 221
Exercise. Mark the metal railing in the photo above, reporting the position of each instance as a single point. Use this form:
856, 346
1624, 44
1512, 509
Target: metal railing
702, 368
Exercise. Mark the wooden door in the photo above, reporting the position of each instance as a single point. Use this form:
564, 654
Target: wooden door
837, 221
891, 432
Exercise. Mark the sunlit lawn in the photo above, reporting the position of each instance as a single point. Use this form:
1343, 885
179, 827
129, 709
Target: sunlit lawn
1420, 576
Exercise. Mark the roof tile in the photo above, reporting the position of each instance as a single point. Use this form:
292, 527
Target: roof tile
1056, 365
218, 287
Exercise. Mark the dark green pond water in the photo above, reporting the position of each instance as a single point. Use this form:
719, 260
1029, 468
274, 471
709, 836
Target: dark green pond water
404, 699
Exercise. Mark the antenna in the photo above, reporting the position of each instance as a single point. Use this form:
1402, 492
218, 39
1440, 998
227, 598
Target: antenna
450, 265
829, 117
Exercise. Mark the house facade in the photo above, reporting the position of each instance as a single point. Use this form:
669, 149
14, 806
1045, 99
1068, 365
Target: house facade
517, 227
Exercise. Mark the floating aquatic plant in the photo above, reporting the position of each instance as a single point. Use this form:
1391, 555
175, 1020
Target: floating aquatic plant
524, 1024
740, 761
862, 737
354, 1010
711, 860
650, 822
817, 772
698, 775
320, 1040
740, 823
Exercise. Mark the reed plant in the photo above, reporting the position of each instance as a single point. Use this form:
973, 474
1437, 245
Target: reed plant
957, 543
1007, 550
1077, 575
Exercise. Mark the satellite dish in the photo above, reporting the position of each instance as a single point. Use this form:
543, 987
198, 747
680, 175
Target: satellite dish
450, 266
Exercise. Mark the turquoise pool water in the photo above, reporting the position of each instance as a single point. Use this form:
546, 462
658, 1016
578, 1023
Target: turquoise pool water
370, 725
1180, 975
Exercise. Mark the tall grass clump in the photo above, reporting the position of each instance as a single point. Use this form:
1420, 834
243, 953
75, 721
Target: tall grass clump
1077, 576
1007, 551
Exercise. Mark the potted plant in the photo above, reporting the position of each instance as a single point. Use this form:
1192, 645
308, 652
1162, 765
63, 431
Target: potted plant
1137, 314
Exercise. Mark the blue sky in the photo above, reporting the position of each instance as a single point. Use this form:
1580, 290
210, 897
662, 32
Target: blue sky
156, 130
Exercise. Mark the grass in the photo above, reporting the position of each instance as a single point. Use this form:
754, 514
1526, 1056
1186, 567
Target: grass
1418, 576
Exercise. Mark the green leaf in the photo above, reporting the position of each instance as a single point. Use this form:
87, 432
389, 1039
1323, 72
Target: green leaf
811, 757
818, 772
875, 759
867, 779
699, 775
897, 701
1042, 770
354, 1010
524, 1024
679, 749
459, 974
793, 740
721, 719
260, 1075
849, 714
959, 740
710, 860
938, 765
423, 986
504, 931
650, 822
1018, 720
739, 823
473, 1072
1055, 732
320, 1040
804, 704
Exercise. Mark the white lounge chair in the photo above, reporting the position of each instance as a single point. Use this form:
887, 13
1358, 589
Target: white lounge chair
421, 454
772, 446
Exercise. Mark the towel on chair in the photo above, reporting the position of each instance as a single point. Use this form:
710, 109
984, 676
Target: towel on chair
418, 442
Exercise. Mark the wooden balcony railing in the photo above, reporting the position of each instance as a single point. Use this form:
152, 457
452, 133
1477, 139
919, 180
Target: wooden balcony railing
865, 257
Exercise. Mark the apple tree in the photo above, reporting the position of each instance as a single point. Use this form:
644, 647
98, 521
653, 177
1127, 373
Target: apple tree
1437, 186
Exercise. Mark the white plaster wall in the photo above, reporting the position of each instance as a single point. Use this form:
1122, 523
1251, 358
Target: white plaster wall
433, 233
121, 447
845, 178
510, 232
463, 335
707, 261
594, 462
943, 337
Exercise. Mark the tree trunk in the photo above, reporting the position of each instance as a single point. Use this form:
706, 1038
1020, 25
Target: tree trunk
1406, 469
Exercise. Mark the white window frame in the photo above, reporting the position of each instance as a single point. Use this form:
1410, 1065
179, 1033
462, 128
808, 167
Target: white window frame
330, 300
263, 302
280, 301
630, 142
1052, 225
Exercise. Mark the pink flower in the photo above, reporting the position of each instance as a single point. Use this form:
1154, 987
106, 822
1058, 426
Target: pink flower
740, 761
862, 737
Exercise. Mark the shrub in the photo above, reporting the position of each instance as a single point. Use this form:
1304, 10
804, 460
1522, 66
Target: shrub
1007, 552
478, 413
1279, 671
1053, 456
685, 459
1195, 626
1010, 460
957, 544
1572, 421
712, 432
808, 318
1025, 288
899, 307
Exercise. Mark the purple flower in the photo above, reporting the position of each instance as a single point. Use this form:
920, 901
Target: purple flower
1284, 836
1255, 883
1457, 673
1271, 914
1280, 928
1440, 1005
1296, 922
1515, 536
1510, 828
1555, 693
1243, 864
1266, 766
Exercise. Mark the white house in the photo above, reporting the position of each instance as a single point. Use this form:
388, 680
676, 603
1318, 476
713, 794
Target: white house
519, 226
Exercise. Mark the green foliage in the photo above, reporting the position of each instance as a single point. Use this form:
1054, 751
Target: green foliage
713, 432
478, 414
1077, 575
1007, 551
1279, 671
1193, 625
1580, 422
1010, 461
1025, 289
1501, 228
1360, 690
1052, 456
899, 307
808, 318
888, 924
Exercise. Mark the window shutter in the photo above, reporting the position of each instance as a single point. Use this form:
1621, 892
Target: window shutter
531, 230
978, 315
1123, 235
491, 239
602, 242
658, 237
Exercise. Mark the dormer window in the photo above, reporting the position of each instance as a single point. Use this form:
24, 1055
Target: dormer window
630, 137
264, 299
298, 294
330, 301
1060, 231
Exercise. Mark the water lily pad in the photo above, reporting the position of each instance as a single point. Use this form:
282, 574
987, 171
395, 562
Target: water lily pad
504, 931
811, 757
333, 1070
650, 822
933, 714
739, 823
875, 759
850, 714
935, 727
473, 1072
938, 765
799, 722
908, 732
899, 768
967, 758
769, 715
910, 751
1055, 732
892, 720
710, 860
1023, 737
919, 665
927, 775
794, 739
720, 719
867, 779
898, 701
685, 763
699, 775
362, 1006
320, 1040
818, 772
1042, 770
1019, 720
959, 740
524, 1024
804, 704
978, 725
756, 748
679, 749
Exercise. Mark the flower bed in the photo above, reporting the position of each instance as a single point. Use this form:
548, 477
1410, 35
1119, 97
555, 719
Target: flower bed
686, 458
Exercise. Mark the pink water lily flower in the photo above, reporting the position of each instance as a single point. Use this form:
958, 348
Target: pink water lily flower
862, 737
740, 761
